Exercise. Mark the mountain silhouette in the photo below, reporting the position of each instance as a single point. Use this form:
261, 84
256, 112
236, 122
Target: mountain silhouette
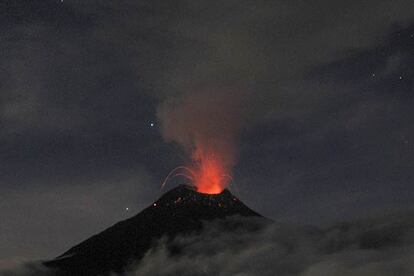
181, 210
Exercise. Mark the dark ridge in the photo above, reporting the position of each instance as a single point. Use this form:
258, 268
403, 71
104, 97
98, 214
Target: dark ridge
181, 210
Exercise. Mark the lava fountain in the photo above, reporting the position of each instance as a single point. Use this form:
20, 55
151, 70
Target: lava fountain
210, 173
207, 174
206, 123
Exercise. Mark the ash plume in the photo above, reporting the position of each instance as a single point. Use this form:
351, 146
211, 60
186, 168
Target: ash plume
206, 123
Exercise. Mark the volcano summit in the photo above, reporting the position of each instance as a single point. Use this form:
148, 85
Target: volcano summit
181, 210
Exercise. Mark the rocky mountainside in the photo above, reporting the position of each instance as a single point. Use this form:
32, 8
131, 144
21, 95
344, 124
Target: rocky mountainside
181, 210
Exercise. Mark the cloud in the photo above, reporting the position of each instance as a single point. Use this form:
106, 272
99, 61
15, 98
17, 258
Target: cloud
56, 63
25, 269
372, 246
381, 246
235, 65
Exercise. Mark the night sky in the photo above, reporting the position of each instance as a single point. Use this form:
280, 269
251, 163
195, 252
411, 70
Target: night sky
318, 97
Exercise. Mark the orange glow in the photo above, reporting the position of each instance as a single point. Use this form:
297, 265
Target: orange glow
210, 176
207, 174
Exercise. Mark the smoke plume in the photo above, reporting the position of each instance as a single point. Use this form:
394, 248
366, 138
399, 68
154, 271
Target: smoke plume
206, 123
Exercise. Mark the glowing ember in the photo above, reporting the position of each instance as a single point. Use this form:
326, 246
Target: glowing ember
208, 174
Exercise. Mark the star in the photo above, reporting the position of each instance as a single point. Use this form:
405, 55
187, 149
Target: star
126, 209
152, 124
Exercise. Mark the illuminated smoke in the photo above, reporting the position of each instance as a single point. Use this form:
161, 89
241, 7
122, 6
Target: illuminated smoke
206, 124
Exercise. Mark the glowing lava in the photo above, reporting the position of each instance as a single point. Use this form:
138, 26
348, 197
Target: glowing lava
207, 173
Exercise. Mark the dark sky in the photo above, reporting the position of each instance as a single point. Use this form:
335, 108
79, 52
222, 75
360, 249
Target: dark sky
326, 132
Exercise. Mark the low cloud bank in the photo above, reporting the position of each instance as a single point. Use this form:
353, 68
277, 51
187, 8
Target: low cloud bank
381, 246
378, 246
25, 269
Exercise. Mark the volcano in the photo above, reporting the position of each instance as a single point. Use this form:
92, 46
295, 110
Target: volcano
180, 211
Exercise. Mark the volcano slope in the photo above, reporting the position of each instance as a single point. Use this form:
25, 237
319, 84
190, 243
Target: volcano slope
180, 211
